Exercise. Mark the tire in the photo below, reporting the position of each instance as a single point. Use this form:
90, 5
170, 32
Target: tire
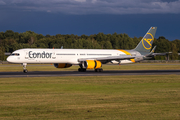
81, 70
98, 70
25, 71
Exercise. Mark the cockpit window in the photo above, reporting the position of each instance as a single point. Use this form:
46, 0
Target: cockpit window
15, 54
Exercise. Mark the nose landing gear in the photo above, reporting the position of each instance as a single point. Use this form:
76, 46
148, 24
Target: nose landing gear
24, 68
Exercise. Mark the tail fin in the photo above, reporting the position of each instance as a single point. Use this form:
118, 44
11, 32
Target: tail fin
145, 44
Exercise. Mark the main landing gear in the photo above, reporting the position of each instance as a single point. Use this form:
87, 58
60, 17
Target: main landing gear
24, 68
99, 70
84, 70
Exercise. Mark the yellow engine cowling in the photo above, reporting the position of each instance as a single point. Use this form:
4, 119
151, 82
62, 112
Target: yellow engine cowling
62, 65
91, 64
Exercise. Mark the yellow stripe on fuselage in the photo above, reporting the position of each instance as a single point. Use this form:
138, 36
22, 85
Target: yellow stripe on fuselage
127, 53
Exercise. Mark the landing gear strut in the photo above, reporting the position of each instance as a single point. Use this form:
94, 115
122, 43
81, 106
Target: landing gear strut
24, 68
81, 69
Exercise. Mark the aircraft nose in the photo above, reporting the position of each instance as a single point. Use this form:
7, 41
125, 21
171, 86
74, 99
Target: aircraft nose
10, 59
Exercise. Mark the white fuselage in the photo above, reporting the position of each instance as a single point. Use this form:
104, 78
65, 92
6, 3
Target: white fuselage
70, 56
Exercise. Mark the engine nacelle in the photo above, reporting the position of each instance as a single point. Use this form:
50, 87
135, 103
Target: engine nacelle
62, 65
91, 64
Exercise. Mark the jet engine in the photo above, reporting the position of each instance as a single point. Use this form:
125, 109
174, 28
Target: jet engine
62, 65
91, 64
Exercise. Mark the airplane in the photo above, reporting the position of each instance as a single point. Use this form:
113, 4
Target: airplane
86, 58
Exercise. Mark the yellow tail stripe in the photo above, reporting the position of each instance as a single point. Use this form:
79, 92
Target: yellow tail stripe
127, 53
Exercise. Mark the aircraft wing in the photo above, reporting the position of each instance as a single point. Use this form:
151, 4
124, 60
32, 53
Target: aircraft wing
166, 53
154, 54
108, 58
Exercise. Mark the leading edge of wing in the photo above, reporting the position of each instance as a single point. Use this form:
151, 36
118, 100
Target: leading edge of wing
108, 58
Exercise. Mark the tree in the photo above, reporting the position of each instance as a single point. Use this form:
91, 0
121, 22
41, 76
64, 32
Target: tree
163, 45
40, 36
9, 34
11, 41
106, 45
31, 40
2, 35
2, 51
174, 51
115, 41
101, 37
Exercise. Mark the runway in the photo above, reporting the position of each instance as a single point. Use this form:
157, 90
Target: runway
87, 73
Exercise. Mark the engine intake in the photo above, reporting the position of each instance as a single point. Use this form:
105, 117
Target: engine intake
62, 65
91, 64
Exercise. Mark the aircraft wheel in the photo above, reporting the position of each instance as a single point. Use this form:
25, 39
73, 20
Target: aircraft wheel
79, 69
25, 71
99, 70
82, 70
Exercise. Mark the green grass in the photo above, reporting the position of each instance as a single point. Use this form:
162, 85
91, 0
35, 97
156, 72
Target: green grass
49, 67
96, 97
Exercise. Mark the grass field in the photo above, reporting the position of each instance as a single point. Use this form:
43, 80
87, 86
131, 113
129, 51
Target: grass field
49, 67
96, 97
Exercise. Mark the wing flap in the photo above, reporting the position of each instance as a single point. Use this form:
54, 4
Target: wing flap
108, 58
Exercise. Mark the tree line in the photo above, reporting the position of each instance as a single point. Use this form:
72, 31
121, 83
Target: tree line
11, 41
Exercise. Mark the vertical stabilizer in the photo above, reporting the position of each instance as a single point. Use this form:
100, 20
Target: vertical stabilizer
145, 44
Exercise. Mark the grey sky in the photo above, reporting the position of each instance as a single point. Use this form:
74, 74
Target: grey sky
94, 6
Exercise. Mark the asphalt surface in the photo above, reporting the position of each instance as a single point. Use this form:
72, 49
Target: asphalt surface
87, 73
